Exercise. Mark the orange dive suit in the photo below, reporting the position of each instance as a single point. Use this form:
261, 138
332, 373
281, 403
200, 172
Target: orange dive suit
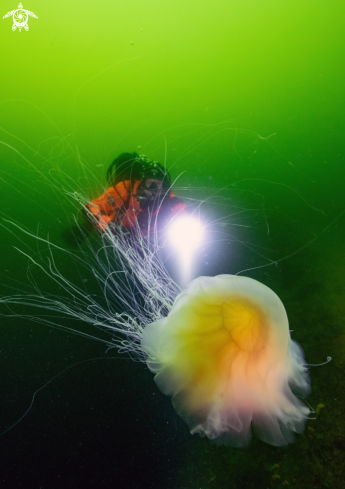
120, 204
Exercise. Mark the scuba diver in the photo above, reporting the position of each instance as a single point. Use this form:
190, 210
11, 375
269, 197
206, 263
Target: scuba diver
139, 195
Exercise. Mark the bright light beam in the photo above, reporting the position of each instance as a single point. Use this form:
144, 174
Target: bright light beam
185, 234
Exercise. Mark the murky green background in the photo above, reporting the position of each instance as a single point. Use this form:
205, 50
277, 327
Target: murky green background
245, 101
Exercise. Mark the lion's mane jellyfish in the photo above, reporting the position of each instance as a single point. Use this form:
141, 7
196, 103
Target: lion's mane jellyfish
225, 355
221, 348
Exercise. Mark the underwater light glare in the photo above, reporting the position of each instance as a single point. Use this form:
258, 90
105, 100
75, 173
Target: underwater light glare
186, 234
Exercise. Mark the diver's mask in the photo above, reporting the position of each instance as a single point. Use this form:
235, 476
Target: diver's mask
149, 191
152, 187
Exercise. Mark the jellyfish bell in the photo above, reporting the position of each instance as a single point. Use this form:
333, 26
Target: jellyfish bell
225, 356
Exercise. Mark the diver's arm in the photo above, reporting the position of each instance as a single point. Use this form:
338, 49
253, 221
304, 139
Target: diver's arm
105, 207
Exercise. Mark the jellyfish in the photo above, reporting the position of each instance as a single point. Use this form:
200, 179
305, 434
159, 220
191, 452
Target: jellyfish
225, 356
220, 348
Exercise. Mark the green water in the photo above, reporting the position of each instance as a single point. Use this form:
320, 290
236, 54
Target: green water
244, 100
